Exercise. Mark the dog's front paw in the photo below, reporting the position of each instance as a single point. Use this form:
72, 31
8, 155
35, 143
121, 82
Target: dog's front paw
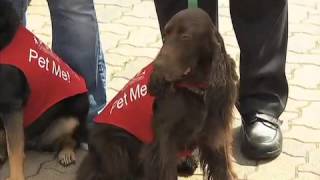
67, 157
3, 147
187, 166
3, 155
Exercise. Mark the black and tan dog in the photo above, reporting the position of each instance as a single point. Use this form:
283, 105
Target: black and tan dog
193, 86
42, 101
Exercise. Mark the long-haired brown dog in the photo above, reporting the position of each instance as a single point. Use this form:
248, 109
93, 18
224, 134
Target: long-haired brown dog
194, 85
193, 53
57, 127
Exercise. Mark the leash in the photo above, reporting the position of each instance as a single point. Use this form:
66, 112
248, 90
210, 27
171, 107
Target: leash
192, 3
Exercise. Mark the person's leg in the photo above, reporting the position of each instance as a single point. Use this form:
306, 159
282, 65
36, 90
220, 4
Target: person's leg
76, 40
261, 28
21, 8
167, 8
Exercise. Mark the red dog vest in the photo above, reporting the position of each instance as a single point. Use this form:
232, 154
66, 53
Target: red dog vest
50, 79
131, 108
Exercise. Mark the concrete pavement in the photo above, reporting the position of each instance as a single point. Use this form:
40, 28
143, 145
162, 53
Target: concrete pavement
131, 38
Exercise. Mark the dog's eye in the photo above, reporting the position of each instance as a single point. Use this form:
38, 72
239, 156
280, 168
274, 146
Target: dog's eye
185, 37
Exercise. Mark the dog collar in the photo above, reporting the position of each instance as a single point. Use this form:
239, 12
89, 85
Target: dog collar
197, 88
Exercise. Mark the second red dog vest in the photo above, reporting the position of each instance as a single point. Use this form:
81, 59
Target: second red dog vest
131, 108
49, 78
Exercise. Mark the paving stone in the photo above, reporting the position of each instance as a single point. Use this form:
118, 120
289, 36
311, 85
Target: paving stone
290, 70
309, 3
144, 61
300, 13
121, 3
118, 82
131, 51
145, 9
112, 70
302, 76
32, 163
111, 93
135, 21
106, 14
279, 169
41, 3
116, 28
230, 41
110, 40
242, 165
36, 22
196, 177
141, 37
296, 148
314, 19
158, 44
313, 165
310, 116
304, 94
287, 118
117, 60
295, 106
307, 28
132, 68
301, 43
307, 176
303, 58
303, 134
38, 10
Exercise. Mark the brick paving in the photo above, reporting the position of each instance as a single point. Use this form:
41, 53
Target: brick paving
131, 38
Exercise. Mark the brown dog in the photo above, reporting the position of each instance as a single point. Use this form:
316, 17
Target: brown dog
194, 84
42, 101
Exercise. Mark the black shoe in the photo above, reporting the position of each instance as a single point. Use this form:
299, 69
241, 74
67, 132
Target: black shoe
261, 136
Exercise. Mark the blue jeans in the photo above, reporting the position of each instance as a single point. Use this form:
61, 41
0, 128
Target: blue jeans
75, 38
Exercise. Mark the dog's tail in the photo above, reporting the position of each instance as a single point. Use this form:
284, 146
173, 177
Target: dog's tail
9, 23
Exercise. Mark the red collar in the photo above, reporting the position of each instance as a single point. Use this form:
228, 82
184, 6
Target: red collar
197, 88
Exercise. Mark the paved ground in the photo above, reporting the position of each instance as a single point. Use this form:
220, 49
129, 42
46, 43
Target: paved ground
130, 38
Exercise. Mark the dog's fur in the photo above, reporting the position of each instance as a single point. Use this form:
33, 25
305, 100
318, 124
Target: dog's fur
184, 117
193, 53
57, 129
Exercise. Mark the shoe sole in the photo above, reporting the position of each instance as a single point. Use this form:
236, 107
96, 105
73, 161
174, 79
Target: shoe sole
260, 155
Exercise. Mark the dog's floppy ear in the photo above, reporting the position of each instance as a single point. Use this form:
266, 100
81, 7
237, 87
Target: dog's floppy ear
9, 22
222, 65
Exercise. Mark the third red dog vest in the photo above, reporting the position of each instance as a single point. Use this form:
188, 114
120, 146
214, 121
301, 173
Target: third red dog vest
49, 78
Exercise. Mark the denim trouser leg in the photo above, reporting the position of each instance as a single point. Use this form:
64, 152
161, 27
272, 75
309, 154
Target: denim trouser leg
21, 8
75, 38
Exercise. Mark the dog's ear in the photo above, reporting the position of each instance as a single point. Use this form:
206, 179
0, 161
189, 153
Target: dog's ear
9, 22
222, 65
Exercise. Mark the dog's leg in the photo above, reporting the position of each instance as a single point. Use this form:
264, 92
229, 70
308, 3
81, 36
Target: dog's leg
160, 160
59, 128
3, 147
61, 133
67, 155
216, 162
13, 124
